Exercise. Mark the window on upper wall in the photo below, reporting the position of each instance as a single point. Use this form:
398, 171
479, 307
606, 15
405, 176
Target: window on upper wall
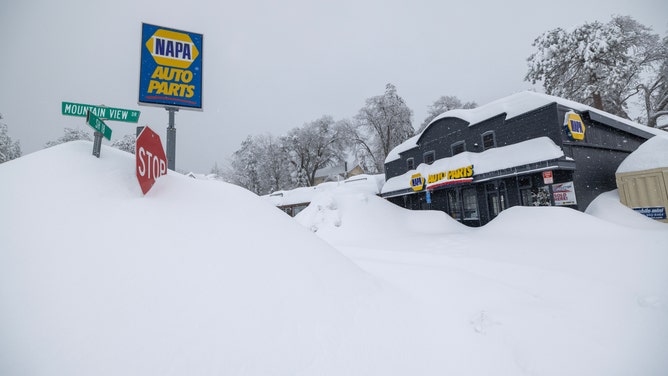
429, 157
458, 147
410, 163
488, 140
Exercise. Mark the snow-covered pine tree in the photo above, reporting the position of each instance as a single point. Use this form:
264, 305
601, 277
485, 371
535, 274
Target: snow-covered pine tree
244, 166
274, 169
126, 143
598, 64
9, 149
71, 134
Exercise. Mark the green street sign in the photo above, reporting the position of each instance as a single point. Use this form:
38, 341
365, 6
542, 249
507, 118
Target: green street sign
105, 113
98, 125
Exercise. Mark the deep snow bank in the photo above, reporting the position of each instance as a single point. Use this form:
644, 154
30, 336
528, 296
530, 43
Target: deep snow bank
354, 217
608, 207
538, 290
196, 277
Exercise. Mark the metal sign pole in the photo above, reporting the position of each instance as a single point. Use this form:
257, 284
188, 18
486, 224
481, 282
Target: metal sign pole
97, 144
171, 139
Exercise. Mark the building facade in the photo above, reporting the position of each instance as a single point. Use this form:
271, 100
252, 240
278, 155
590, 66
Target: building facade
528, 149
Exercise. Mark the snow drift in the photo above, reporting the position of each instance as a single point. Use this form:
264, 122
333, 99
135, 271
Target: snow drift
196, 277
201, 277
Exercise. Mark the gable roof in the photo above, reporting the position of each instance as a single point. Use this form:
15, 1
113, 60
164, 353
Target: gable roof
515, 105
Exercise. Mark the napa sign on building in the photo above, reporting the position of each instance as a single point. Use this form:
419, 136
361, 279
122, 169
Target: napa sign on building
171, 68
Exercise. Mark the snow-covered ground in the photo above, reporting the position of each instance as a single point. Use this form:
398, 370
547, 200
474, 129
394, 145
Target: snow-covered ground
204, 278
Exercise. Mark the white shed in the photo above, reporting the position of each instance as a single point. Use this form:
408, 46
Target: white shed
642, 179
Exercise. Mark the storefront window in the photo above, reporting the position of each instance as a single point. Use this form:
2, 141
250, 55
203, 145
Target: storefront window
493, 205
526, 196
454, 205
537, 196
470, 202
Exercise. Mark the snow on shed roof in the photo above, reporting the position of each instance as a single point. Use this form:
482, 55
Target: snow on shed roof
362, 183
520, 154
513, 105
653, 153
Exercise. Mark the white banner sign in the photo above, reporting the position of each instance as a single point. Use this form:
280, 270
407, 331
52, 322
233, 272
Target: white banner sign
564, 194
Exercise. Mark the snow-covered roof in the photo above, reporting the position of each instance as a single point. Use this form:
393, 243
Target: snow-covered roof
653, 153
513, 105
363, 183
195, 175
350, 163
406, 145
336, 170
329, 171
520, 154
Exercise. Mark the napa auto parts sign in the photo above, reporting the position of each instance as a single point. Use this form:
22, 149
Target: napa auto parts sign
171, 68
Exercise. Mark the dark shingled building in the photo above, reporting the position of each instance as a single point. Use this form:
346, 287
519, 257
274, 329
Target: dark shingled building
526, 149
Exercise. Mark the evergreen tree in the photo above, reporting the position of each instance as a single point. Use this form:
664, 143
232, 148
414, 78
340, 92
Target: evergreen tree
244, 166
598, 64
9, 149
126, 143
71, 134
274, 169
217, 172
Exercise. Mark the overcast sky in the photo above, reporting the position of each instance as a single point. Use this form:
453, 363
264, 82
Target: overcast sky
269, 66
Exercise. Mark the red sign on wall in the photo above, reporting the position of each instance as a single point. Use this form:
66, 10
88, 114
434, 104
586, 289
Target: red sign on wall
150, 157
547, 177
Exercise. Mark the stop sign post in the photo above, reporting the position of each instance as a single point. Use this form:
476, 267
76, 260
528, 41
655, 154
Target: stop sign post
150, 157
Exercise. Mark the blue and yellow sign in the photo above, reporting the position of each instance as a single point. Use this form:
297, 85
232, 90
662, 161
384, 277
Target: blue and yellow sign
575, 126
171, 68
417, 182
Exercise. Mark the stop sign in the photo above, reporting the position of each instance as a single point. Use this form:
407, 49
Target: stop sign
150, 157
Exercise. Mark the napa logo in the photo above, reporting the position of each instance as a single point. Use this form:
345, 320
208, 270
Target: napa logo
575, 126
172, 49
417, 182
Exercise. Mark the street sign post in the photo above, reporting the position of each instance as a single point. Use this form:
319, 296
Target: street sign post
150, 158
95, 117
98, 125
105, 113
101, 130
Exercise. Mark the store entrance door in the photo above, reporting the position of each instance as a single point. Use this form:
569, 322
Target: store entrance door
497, 198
